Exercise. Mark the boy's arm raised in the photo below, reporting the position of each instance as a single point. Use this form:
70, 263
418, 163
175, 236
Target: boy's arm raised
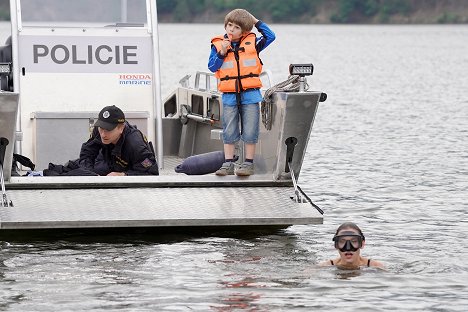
268, 36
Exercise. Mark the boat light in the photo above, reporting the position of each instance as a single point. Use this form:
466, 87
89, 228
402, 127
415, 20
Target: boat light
301, 69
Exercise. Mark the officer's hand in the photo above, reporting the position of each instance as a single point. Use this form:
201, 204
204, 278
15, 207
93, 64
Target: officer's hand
116, 174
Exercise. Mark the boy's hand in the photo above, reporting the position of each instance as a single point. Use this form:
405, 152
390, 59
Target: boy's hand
255, 20
225, 45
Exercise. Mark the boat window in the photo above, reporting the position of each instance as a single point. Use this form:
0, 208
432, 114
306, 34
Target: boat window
70, 13
170, 107
213, 108
197, 104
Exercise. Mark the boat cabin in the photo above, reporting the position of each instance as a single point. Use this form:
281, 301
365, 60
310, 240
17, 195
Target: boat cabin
65, 60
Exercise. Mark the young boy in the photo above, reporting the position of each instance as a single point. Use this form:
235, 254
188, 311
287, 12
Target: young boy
234, 60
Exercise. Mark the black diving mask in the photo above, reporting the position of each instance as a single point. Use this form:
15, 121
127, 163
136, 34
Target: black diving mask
348, 241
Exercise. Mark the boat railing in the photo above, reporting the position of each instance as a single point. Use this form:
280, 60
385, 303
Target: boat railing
3, 143
205, 80
208, 77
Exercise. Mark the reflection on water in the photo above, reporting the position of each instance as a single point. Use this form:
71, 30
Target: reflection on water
388, 151
347, 274
239, 300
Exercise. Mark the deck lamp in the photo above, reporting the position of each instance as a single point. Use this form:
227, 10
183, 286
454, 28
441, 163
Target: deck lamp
301, 70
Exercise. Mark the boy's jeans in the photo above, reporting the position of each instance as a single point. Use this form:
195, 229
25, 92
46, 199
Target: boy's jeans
250, 123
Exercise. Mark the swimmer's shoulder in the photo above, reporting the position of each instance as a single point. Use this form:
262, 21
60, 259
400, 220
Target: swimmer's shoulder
330, 262
375, 264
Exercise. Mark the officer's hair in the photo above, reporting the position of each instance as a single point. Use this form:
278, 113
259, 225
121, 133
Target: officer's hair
240, 17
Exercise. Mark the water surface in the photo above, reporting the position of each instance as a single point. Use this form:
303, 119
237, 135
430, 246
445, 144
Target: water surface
388, 151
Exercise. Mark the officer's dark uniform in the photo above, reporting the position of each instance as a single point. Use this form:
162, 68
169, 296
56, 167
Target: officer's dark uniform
132, 154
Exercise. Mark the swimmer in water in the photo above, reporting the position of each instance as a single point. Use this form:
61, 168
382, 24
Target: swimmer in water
349, 241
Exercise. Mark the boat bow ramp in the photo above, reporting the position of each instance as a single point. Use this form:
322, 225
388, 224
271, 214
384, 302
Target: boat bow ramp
153, 201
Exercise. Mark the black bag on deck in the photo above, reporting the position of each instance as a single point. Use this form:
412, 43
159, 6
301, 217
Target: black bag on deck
71, 168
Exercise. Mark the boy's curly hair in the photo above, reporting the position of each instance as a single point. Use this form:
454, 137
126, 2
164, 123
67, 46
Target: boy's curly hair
240, 17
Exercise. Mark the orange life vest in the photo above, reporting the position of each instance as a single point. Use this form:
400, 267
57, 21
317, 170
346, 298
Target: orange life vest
241, 68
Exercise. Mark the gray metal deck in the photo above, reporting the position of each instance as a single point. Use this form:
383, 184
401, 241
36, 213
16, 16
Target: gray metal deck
170, 200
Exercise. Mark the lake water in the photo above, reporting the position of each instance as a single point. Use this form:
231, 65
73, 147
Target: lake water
389, 151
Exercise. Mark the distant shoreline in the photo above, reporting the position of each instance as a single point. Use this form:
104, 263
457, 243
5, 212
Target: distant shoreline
370, 12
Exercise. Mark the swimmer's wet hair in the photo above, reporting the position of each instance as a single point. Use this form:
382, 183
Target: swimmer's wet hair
350, 225
240, 17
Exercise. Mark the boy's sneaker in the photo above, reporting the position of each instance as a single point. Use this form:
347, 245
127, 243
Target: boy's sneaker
226, 169
246, 169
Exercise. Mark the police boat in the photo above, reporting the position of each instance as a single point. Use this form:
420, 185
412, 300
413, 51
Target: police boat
57, 50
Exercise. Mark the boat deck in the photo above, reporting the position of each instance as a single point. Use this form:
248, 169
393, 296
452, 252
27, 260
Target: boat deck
169, 200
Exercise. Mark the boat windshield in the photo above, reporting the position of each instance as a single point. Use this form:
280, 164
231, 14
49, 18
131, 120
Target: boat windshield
79, 13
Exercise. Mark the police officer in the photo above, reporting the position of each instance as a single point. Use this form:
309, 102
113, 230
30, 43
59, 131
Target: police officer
116, 148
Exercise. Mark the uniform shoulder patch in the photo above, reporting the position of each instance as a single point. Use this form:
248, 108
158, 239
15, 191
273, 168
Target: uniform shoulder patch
146, 163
